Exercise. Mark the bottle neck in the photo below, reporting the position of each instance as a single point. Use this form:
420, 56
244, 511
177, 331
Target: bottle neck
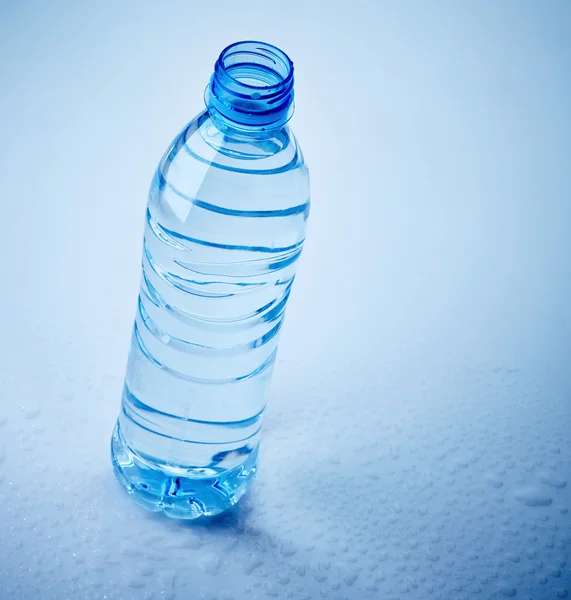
251, 89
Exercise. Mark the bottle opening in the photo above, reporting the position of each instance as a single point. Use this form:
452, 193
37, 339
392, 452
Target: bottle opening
255, 64
252, 85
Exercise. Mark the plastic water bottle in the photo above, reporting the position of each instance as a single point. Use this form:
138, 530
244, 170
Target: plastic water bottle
225, 224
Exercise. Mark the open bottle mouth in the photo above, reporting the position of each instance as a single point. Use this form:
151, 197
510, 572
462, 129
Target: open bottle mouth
252, 86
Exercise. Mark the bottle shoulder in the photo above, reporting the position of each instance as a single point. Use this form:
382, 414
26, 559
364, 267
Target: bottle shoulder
229, 168
276, 152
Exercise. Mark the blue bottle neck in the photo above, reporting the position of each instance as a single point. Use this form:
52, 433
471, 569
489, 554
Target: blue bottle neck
251, 88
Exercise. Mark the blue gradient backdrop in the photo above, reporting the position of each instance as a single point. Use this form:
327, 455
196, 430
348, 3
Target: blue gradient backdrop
418, 441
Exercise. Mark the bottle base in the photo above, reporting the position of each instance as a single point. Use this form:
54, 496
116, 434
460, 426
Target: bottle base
177, 496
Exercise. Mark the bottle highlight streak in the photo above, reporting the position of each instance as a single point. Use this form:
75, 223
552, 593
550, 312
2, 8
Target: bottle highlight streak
225, 224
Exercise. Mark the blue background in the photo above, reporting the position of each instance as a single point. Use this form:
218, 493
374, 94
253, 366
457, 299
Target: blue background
417, 443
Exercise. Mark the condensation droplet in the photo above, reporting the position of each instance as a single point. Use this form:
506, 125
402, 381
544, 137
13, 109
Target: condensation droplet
146, 570
166, 579
552, 480
270, 590
287, 549
301, 570
129, 549
31, 408
209, 563
37, 428
494, 480
349, 577
252, 563
95, 580
96, 561
134, 582
533, 497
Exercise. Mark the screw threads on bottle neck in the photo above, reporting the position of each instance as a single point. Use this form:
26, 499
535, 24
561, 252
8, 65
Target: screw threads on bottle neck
251, 87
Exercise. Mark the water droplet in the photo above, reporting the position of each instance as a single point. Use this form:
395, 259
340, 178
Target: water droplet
561, 593
287, 549
319, 572
37, 428
92, 515
533, 497
252, 563
552, 480
350, 577
192, 542
270, 590
301, 569
461, 463
146, 570
31, 408
96, 561
129, 549
2, 453
494, 480
133, 581
209, 563
166, 579
95, 580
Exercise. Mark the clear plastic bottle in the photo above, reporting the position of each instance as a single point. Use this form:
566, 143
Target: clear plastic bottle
225, 224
